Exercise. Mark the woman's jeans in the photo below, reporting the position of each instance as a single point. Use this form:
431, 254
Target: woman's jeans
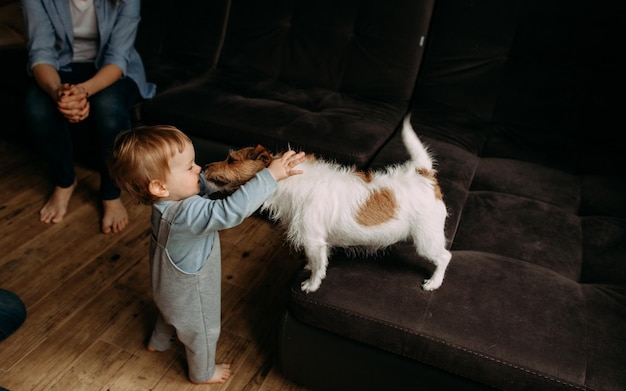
12, 313
109, 114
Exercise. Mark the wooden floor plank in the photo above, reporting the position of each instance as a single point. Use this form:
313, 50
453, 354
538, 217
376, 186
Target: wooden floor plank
72, 323
66, 298
93, 369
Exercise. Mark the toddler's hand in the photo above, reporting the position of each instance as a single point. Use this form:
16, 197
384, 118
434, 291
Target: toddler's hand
283, 167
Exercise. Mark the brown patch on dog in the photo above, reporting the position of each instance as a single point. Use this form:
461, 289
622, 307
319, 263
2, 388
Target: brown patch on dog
365, 176
379, 208
433, 177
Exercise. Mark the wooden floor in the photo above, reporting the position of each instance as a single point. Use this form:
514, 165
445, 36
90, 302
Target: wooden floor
88, 295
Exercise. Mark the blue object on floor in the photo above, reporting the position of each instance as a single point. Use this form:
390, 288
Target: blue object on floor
12, 313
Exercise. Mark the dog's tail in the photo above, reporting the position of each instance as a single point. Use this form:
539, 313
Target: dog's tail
419, 153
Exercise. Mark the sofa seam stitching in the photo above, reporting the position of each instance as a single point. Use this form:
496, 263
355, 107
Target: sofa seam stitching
436, 340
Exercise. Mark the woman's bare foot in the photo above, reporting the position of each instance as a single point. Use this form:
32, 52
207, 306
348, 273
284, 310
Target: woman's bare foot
222, 373
115, 217
55, 208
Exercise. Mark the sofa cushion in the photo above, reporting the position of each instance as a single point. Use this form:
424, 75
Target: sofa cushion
363, 48
301, 73
177, 45
279, 117
537, 83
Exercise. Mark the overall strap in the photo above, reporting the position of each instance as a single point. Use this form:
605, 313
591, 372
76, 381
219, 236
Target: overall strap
166, 219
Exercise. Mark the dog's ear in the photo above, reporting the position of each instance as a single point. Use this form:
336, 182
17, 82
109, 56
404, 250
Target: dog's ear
260, 153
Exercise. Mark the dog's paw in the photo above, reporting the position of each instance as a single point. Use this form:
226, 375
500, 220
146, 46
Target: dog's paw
310, 285
431, 284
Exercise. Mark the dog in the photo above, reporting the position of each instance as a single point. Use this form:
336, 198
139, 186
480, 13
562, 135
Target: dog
332, 205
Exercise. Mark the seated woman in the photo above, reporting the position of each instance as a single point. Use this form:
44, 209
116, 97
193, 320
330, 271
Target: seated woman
84, 68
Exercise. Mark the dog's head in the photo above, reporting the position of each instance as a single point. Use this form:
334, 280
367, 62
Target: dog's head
226, 176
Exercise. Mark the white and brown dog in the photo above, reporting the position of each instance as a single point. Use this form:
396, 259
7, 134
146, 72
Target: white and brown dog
331, 205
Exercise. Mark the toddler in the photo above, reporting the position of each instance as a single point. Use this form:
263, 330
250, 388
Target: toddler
156, 165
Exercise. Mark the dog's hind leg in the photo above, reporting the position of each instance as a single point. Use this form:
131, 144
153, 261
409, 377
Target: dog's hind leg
441, 264
432, 247
317, 262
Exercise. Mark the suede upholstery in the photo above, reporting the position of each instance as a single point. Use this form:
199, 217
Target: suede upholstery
178, 43
295, 72
530, 170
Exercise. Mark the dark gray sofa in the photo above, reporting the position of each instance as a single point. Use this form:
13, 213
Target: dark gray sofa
520, 101
517, 99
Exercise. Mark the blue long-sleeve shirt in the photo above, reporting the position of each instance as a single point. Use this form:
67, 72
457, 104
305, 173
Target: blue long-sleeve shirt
194, 227
51, 37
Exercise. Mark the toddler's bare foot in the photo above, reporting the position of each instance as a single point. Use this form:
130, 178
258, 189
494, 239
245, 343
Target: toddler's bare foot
55, 208
115, 217
151, 349
222, 373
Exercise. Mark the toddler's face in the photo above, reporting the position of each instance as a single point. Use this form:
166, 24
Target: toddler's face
183, 180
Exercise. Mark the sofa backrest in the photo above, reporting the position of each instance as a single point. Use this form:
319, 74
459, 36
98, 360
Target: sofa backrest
179, 41
368, 47
534, 73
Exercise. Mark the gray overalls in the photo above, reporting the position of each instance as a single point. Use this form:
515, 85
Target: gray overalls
188, 303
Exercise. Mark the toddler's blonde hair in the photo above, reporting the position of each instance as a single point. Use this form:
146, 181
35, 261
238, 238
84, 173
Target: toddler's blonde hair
141, 155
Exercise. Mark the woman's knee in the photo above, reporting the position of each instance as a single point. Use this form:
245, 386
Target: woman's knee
110, 111
39, 107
